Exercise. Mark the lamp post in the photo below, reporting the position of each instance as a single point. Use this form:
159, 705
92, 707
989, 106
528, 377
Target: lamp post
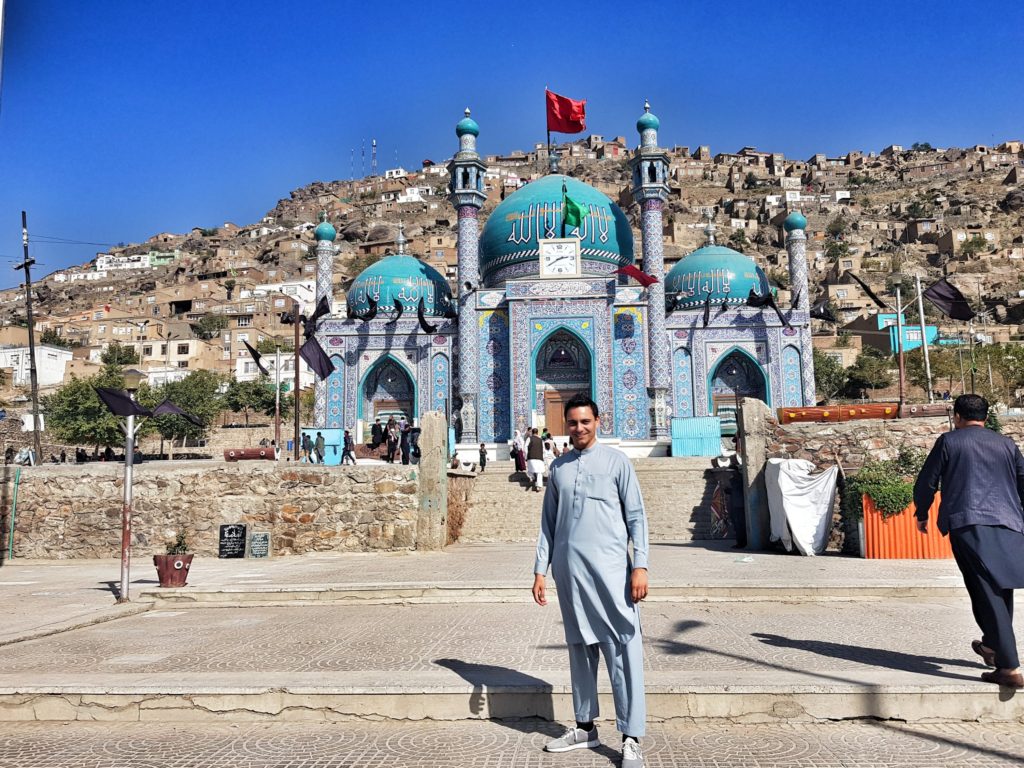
132, 379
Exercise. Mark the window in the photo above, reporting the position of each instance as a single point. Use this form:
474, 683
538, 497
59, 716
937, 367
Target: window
889, 322
242, 337
150, 299
183, 363
244, 321
163, 349
913, 335
101, 329
183, 349
848, 264
840, 294
147, 350
278, 302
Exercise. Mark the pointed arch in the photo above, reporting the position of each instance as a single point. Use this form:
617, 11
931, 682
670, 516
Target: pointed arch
404, 387
759, 387
542, 343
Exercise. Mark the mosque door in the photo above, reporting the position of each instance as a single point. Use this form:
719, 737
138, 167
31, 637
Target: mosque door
736, 376
387, 391
562, 370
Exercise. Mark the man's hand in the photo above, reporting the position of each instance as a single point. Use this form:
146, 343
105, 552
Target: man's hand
922, 525
638, 584
538, 589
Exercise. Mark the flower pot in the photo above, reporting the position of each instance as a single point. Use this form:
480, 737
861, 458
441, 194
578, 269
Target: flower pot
897, 537
172, 570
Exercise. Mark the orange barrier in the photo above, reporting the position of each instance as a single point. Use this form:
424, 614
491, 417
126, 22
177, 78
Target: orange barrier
839, 413
243, 454
897, 537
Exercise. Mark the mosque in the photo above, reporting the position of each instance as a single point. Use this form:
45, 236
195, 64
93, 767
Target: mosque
541, 313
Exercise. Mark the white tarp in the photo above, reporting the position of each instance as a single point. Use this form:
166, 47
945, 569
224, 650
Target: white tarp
800, 504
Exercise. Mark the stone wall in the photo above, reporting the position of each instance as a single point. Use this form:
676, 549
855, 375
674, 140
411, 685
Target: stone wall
69, 511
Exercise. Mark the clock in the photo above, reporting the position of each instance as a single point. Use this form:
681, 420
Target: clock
559, 257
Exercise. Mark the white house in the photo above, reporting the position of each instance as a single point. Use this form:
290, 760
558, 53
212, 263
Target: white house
108, 261
50, 362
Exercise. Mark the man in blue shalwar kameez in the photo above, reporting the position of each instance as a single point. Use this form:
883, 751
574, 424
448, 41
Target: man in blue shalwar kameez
593, 509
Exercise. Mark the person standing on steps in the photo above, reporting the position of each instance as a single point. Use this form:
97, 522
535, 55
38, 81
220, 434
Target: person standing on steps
593, 510
981, 476
535, 460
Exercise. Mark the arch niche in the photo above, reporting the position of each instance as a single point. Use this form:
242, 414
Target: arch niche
737, 375
387, 389
563, 366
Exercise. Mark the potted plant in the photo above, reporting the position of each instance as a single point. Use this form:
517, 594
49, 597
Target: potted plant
172, 568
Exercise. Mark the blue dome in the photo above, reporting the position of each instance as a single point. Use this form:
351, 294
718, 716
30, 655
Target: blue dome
535, 210
727, 274
325, 231
405, 278
467, 125
647, 121
795, 220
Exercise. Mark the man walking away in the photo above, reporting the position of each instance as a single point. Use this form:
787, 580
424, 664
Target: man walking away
981, 475
319, 449
593, 509
348, 450
535, 460
307, 447
376, 434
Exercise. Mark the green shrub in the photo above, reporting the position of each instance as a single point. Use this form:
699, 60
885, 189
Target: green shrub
179, 546
890, 484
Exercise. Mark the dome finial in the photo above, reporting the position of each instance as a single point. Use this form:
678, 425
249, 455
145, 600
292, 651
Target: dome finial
467, 112
553, 159
400, 241
647, 106
709, 228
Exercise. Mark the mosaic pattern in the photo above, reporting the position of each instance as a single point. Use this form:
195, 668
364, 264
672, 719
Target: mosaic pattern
335, 386
493, 422
552, 287
324, 287
682, 380
531, 269
632, 414
792, 385
439, 383
469, 273
796, 247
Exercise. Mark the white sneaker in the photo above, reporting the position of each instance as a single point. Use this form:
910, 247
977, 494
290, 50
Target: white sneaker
575, 738
632, 757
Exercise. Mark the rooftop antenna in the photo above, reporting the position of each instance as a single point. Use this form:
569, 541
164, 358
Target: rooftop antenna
373, 157
362, 160
352, 165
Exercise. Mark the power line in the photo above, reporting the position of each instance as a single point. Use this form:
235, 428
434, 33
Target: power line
54, 240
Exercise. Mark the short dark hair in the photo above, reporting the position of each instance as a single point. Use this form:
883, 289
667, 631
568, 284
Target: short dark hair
581, 401
971, 407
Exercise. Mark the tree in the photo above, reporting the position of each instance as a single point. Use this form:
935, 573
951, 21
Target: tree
118, 355
269, 344
918, 210
837, 227
829, 375
254, 396
944, 364
836, 249
738, 240
921, 146
209, 325
51, 337
871, 370
75, 414
973, 247
197, 394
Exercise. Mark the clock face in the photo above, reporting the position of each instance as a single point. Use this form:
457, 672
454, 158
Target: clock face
559, 258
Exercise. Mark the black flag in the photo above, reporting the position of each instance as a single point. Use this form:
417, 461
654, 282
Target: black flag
256, 357
822, 311
398, 312
707, 310
421, 314
169, 408
316, 358
120, 403
949, 300
871, 294
450, 311
371, 312
796, 300
768, 300
323, 307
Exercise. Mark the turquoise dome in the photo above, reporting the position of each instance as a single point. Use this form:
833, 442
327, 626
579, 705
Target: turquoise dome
509, 237
727, 274
325, 231
405, 278
647, 121
795, 220
467, 125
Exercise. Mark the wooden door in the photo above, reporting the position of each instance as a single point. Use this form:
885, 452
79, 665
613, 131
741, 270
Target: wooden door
554, 417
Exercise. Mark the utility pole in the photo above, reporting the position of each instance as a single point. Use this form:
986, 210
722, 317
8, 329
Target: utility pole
924, 339
277, 400
33, 378
295, 398
899, 346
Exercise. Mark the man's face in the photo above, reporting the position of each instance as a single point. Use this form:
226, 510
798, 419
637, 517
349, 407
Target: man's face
582, 425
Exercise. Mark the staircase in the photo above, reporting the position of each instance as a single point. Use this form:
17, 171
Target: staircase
677, 493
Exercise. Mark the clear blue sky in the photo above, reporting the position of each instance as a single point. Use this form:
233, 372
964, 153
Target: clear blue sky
120, 118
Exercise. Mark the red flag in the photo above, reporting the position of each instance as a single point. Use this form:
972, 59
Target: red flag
641, 277
566, 115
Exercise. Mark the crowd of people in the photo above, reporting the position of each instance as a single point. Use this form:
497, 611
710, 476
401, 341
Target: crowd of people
533, 454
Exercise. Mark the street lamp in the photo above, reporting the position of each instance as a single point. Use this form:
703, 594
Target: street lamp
132, 379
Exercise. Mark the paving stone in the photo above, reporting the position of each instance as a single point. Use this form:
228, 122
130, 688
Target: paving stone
500, 745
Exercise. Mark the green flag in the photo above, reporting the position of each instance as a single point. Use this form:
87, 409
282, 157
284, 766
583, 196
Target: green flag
572, 212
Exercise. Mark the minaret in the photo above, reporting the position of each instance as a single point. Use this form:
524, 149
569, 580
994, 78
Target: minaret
466, 193
324, 235
650, 190
796, 247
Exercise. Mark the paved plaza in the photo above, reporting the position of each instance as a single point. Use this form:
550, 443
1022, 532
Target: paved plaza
441, 659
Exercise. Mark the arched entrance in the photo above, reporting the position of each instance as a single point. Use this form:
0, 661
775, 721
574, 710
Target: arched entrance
563, 367
737, 375
387, 390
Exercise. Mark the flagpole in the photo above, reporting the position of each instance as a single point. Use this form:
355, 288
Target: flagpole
277, 400
899, 346
924, 338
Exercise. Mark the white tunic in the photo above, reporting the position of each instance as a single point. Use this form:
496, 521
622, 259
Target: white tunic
592, 509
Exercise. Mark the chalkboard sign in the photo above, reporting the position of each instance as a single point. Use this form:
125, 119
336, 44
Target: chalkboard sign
232, 541
259, 544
